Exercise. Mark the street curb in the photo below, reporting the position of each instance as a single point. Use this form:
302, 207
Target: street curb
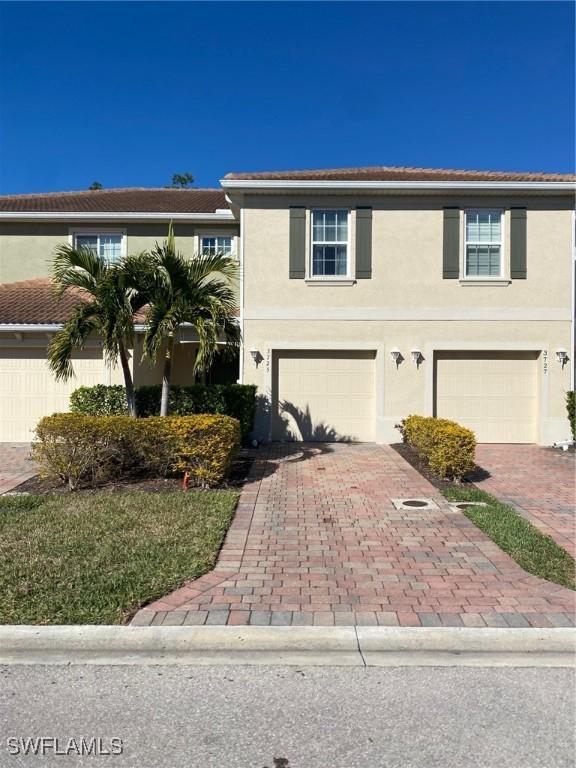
311, 646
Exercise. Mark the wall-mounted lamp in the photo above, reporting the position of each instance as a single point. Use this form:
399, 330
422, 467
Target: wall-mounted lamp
417, 356
256, 356
562, 356
397, 356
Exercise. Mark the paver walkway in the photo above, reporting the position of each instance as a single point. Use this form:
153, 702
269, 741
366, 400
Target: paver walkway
316, 540
15, 467
539, 482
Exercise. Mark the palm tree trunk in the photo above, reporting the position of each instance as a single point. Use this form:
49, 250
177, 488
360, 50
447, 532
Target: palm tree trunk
128, 383
166, 377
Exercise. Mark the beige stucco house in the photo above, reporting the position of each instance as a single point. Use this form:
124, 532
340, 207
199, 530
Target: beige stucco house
366, 295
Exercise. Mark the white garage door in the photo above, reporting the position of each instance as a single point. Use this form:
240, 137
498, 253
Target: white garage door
29, 391
323, 395
493, 393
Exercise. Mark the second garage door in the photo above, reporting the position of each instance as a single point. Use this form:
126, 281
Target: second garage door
323, 395
493, 393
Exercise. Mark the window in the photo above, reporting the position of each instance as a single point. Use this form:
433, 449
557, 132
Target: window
108, 246
483, 247
210, 246
329, 243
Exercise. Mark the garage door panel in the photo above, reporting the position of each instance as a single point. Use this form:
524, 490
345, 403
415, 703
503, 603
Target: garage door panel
321, 395
28, 389
493, 393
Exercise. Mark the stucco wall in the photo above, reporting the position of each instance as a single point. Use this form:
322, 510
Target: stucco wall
407, 389
26, 249
407, 258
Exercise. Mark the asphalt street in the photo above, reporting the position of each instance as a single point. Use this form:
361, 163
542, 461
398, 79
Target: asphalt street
285, 717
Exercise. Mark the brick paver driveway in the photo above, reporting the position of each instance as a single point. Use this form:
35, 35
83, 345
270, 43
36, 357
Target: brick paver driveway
14, 465
316, 540
539, 482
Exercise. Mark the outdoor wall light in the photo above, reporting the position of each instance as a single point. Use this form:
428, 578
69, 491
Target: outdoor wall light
254, 354
395, 354
417, 356
562, 356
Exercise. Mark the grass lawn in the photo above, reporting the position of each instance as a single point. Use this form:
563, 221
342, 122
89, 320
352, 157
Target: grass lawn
95, 558
537, 553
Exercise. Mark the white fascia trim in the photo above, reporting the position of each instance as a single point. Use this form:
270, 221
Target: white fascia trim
30, 327
249, 185
51, 327
219, 216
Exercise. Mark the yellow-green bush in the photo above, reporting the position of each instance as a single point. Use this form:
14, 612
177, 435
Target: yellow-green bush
92, 450
446, 447
204, 445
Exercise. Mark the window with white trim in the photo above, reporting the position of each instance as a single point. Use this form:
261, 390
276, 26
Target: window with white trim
107, 245
329, 243
221, 244
483, 243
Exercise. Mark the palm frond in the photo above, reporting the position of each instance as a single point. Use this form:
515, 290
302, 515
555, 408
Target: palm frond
84, 321
177, 290
77, 268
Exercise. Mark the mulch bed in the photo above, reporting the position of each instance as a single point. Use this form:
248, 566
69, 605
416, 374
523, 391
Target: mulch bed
410, 455
239, 472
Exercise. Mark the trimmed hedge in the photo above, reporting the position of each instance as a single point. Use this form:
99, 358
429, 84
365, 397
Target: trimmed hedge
92, 450
99, 400
236, 400
571, 408
446, 447
204, 445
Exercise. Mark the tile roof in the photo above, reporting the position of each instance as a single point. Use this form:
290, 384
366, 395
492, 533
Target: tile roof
132, 200
386, 173
32, 302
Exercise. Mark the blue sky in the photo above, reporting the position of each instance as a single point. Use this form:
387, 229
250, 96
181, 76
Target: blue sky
130, 93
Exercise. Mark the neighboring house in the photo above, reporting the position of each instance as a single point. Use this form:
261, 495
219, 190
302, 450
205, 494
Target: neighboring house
366, 295
114, 222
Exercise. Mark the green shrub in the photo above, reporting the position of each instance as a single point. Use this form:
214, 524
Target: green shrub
446, 447
99, 400
92, 450
571, 408
236, 400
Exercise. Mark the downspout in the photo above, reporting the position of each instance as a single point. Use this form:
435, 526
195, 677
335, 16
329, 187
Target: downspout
241, 258
573, 314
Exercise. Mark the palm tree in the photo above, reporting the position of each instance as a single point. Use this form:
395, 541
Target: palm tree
106, 307
198, 292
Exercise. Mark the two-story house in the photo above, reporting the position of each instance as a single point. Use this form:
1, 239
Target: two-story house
365, 295
369, 294
114, 223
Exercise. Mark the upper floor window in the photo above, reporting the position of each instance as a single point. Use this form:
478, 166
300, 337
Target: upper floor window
210, 246
329, 243
483, 246
107, 245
